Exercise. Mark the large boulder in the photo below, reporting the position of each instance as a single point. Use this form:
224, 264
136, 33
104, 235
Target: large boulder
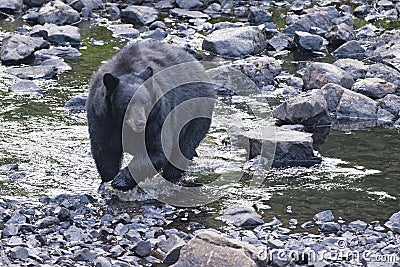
56, 12
374, 87
139, 15
353, 105
209, 248
350, 49
303, 109
318, 74
11, 6
33, 73
391, 103
356, 69
384, 72
332, 93
58, 35
236, 42
16, 48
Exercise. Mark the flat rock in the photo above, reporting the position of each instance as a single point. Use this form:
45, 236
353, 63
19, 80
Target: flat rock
279, 42
26, 87
57, 52
241, 217
357, 226
303, 109
374, 87
235, 42
57, 63
208, 248
318, 74
329, 227
58, 35
33, 73
355, 68
139, 15
16, 48
188, 14
56, 12
124, 31
308, 41
288, 147
350, 49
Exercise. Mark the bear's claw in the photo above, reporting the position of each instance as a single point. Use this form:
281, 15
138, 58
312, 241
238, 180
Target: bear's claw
123, 181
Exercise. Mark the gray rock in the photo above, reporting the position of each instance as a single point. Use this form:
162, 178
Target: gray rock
318, 74
11, 6
353, 105
259, 15
76, 104
157, 25
187, 14
58, 35
355, 68
350, 49
225, 25
26, 87
142, 248
386, 49
54, 52
117, 251
84, 255
10, 230
307, 225
81, 5
303, 109
16, 48
235, 42
190, 4
47, 222
340, 34
171, 248
261, 70
19, 253
332, 93
322, 18
324, 216
224, 252
275, 244
357, 226
124, 31
73, 233
213, 9
241, 217
329, 227
361, 11
56, 12
57, 63
139, 15
157, 34
33, 73
374, 87
367, 32
384, 72
279, 42
391, 103
394, 223
307, 41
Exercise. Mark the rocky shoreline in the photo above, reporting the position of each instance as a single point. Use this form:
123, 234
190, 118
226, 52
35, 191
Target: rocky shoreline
347, 77
80, 230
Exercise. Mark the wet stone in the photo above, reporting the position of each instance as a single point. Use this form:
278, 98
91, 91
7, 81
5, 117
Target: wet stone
76, 104
63, 52
307, 41
241, 217
57, 63
32, 73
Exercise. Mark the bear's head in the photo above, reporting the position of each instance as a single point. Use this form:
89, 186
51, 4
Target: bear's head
123, 92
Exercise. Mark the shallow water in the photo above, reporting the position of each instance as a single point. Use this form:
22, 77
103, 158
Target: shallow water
358, 179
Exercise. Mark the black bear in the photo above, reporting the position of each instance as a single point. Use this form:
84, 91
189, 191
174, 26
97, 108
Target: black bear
114, 92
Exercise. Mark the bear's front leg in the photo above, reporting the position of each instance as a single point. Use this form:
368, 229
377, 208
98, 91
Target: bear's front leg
123, 180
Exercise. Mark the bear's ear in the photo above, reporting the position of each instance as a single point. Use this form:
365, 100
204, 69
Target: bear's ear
110, 82
147, 73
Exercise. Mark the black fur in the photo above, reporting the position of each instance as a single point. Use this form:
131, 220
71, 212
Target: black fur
111, 90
